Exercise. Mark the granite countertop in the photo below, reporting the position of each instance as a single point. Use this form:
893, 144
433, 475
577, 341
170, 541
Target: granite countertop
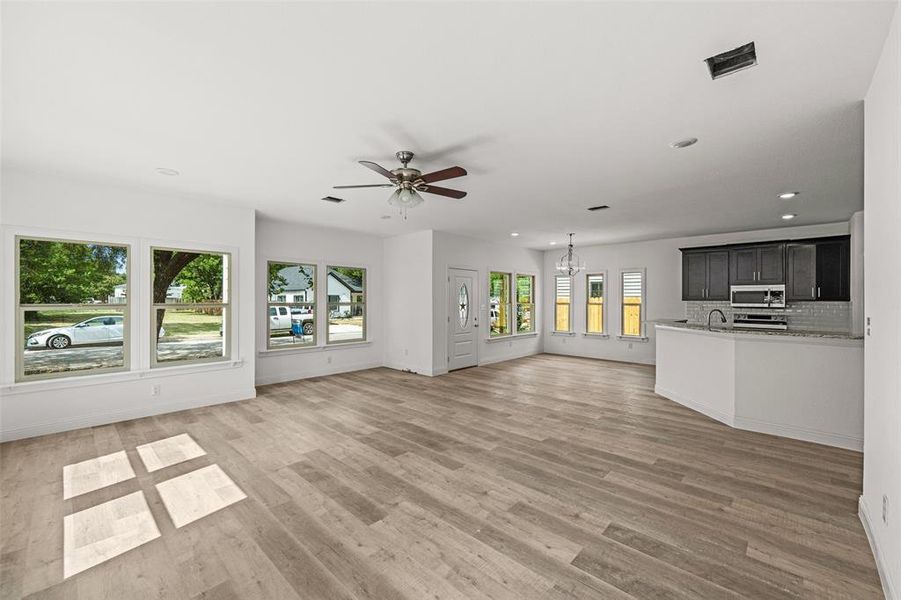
728, 329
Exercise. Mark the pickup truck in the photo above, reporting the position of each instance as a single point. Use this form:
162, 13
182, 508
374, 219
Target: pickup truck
281, 318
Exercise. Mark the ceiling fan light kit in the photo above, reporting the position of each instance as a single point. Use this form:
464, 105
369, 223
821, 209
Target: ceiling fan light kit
408, 182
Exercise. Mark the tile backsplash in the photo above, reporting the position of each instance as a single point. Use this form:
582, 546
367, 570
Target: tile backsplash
810, 316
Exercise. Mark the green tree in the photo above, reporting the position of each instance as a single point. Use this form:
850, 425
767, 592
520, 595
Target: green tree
202, 278
167, 265
68, 273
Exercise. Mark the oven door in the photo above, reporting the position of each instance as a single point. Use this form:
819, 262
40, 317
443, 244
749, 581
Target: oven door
750, 296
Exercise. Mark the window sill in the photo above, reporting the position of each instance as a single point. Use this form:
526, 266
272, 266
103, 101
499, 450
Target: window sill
633, 338
76, 381
602, 336
514, 336
270, 352
564, 333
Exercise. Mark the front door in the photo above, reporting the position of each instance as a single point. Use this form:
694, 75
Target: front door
463, 318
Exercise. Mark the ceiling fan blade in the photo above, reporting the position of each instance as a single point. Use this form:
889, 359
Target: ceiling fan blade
367, 185
448, 173
434, 189
377, 168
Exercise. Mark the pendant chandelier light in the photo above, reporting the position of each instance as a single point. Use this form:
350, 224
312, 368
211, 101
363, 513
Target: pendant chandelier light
570, 263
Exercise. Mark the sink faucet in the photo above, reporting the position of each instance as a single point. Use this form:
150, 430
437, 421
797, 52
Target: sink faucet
710, 314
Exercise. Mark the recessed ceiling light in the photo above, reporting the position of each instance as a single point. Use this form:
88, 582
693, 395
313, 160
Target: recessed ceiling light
788, 195
553, 243
789, 216
679, 144
514, 234
383, 217
165, 171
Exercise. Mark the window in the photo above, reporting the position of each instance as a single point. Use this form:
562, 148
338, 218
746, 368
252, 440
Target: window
633, 303
596, 291
191, 307
346, 305
525, 303
498, 304
291, 325
72, 311
563, 294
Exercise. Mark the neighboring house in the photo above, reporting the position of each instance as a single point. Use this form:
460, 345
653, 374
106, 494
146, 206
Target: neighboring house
342, 289
297, 287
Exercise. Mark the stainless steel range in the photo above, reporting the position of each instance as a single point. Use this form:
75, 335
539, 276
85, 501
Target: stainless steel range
759, 321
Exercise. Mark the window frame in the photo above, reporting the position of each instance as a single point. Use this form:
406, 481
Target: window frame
21, 309
604, 322
569, 305
517, 303
314, 304
642, 321
364, 303
509, 304
225, 305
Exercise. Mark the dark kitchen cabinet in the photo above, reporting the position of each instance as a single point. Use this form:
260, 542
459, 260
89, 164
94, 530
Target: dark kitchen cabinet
801, 271
819, 270
705, 275
762, 263
833, 266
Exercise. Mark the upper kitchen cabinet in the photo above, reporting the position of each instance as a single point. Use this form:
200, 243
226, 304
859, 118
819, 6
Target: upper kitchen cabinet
819, 269
801, 271
833, 264
762, 263
705, 275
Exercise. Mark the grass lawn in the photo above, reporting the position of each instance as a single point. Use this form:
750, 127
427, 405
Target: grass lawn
187, 323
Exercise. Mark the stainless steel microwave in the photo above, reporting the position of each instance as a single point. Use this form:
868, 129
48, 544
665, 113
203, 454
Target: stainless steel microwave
757, 296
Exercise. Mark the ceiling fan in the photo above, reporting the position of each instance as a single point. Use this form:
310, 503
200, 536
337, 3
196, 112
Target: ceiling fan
408, 182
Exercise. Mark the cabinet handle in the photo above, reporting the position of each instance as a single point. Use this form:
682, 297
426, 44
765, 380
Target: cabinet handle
812, 295
818, 291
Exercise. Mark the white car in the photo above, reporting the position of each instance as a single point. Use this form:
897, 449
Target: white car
98, 330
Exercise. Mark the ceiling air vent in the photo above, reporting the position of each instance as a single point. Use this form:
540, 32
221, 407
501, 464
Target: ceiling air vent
601, 207
333, 199
732, 61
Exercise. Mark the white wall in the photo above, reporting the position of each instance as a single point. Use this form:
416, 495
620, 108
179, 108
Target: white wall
464, 252
882, 258
408, 302
663, 262
290, 242
51, 206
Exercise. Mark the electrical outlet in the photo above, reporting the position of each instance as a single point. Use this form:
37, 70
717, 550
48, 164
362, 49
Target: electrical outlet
630, 345
155, 389
406, 352
885, 509
328, 359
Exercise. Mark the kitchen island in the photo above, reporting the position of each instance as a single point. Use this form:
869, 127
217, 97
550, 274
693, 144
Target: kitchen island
797, 384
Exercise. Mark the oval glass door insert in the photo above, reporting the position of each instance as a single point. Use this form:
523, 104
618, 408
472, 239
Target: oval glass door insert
464, 305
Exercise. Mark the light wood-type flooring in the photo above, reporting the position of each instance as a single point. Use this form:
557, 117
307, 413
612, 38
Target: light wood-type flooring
546, 477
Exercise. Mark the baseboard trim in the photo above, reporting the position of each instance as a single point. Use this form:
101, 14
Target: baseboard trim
794, 432
713, 413
885, 576
105, 418
837, 440
285, 377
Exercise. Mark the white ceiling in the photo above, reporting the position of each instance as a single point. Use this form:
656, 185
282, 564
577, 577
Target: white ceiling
552, 107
